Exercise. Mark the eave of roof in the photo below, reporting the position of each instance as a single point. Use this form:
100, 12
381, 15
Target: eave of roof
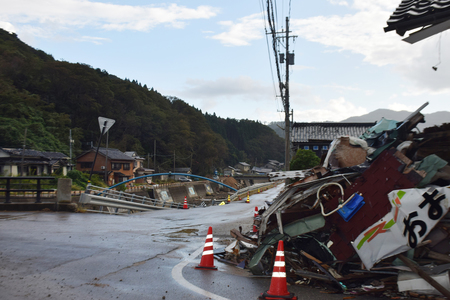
412, 14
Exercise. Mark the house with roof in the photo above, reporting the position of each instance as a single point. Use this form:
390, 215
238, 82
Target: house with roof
317, 136
274, 165
260, 171
29, 162
112, 164
229, 171
185, 170
139, 169
243, 167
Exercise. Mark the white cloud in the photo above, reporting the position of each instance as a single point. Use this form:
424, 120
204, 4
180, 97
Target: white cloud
241, 33
334, 110
7, 26
399, 107
226, 87
94, 40
338, 2
78, 13
240, 97
362, 33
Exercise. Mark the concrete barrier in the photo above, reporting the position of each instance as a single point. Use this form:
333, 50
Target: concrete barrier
64, 191
179, 192
163, 194
201, 190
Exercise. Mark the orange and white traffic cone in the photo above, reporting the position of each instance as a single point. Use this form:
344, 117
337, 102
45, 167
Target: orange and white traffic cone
278, 285
254, 217
207, 261
185, 205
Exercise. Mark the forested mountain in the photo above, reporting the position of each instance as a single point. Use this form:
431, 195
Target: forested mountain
49, 97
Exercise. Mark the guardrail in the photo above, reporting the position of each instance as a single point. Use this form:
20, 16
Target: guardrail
95, 195
38, 190
119, 200
252, 189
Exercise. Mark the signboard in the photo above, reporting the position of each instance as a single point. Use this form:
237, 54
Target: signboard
107, 125
414, 214
191, 190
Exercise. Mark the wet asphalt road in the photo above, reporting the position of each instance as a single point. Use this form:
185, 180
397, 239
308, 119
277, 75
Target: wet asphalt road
152, 255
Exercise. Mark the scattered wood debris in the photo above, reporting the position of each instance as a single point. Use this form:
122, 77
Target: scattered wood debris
371, 219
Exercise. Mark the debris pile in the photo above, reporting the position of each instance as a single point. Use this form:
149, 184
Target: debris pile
372, 218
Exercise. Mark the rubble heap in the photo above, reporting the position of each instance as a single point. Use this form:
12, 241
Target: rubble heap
372, 218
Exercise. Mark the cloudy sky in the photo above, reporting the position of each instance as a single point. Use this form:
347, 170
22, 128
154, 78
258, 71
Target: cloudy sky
216, 56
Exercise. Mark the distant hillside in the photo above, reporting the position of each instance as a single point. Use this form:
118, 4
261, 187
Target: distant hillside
43, 99
278, 127
437, 118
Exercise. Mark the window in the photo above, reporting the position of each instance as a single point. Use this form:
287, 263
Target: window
126, 166
324, 147
86, 164
116, 166
315, 148
306, 147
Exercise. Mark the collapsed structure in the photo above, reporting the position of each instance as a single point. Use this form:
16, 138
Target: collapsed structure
373, 217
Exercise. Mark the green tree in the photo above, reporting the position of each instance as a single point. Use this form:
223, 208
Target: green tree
304, 159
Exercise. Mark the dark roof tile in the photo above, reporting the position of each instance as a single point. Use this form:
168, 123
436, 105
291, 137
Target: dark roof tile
411, 14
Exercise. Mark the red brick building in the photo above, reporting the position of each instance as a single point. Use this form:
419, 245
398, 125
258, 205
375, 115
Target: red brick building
112, 164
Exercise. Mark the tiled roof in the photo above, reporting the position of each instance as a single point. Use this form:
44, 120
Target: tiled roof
411, 14
26, 152
326, 131
261, 170
114, 154
52, 156
55, 155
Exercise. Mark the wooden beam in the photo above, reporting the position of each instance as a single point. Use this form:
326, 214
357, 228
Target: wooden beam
424, 275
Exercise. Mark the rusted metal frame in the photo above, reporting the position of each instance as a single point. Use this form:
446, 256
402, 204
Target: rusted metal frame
310, 189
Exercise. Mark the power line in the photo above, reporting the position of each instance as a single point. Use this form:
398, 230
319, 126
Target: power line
268, 48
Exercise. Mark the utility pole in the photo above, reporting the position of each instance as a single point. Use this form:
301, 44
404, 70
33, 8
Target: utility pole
70, 144
287, 58
23, 151
287, 123
154, 154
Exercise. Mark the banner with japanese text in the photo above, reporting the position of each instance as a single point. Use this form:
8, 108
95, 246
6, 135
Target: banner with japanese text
414, 214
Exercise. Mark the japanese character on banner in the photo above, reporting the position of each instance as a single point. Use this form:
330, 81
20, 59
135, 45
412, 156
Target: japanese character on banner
414, 214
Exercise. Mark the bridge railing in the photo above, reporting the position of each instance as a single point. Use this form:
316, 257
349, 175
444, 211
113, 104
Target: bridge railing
32, 184
95, 195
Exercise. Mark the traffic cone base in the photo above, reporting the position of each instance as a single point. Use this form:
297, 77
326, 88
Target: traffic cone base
206, 268
267, 296
207, 261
